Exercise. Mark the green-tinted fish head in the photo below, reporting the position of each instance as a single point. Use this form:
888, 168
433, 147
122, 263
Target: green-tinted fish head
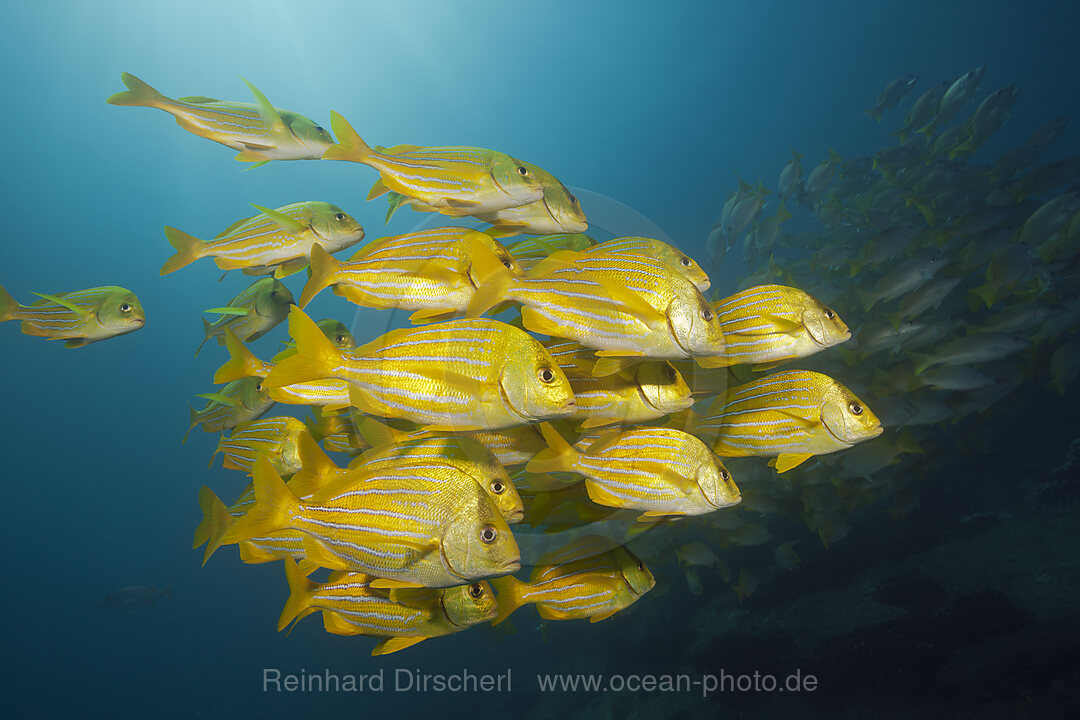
663, 387
468, 605
533, 384
515, 179
273, 299
479, 543
823, 324
564, 208
846, 417
251, 393
635, 573
335, 225
694, 326
309, 134
121, 312
717, 485
338, 333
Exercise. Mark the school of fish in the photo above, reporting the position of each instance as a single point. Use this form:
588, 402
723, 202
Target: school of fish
581, 406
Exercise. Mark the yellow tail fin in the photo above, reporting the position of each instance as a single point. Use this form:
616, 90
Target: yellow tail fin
242, 362
560, 456
350, 146
188, 250
316, 356
323, 268
274, 505
215, 523
301, 591
137, 94
8, 306
509, 590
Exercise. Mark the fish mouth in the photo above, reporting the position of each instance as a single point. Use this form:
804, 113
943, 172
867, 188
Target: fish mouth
515, 517
510, 566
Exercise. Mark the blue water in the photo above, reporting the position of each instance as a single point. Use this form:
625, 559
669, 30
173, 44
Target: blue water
656, 106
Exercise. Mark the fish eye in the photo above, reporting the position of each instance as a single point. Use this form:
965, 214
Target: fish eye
476, 590
508, 265
829, 314
670, 373
320, 129
258, 387
855, 408
523, 171
497, 487
724, 474
640, 565
546, 375
707, 315
125, 307
340, 339
571, 198
488, 534
340, 217
685, 261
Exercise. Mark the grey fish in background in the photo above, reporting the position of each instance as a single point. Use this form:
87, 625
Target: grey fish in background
924, 110
909, 276
971, 349
987, 118
891, 96
134, 596
790, 176
820, 177
1040, 141
956, 96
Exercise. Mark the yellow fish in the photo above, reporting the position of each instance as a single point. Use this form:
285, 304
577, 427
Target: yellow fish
80, 318
351, 606
459, 375
660, 471
275, 438
260, 308
435, 272
239, 401
274, 241
538, 248
259, 131
791, 416
558, 211
671, 256
638, 394
337, 432
217, 519
768, 324
586, 579
426, 524
455, 181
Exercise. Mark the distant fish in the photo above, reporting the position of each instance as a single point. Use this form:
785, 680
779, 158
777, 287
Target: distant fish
259, 131
134, 596
893, 93
81, 317
257, 310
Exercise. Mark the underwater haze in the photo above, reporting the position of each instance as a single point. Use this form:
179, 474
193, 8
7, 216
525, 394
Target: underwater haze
908, 582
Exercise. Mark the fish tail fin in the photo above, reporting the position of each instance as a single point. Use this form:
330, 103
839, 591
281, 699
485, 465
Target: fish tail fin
509, 590
242, 362
166, 593
215, 523
138, 93
868, 299
920, 362
491, 292
208, 331
318, 469
187, 249
909, 444
274, 504
350, 146
875, 113
315, 358
560, 456
301, 593
193, 420
8, 306
984, 293
323, 269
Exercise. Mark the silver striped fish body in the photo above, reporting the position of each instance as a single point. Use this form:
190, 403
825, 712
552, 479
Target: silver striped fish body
275, 546
512, 446
328, 393
467, 455
274, 437
406, 523
671, 256
241, 127
770, 323
787, 413
436, 269
458, 374
644, 392
260, 241
252, 402
103, 312
267, 301
661, 471
454, 180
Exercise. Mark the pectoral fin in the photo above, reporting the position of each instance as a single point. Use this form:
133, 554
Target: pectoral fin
268, 113
253, 156
392, 645
289, 224
787, 461
244, 312
387, 584
219, 399
81, 312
